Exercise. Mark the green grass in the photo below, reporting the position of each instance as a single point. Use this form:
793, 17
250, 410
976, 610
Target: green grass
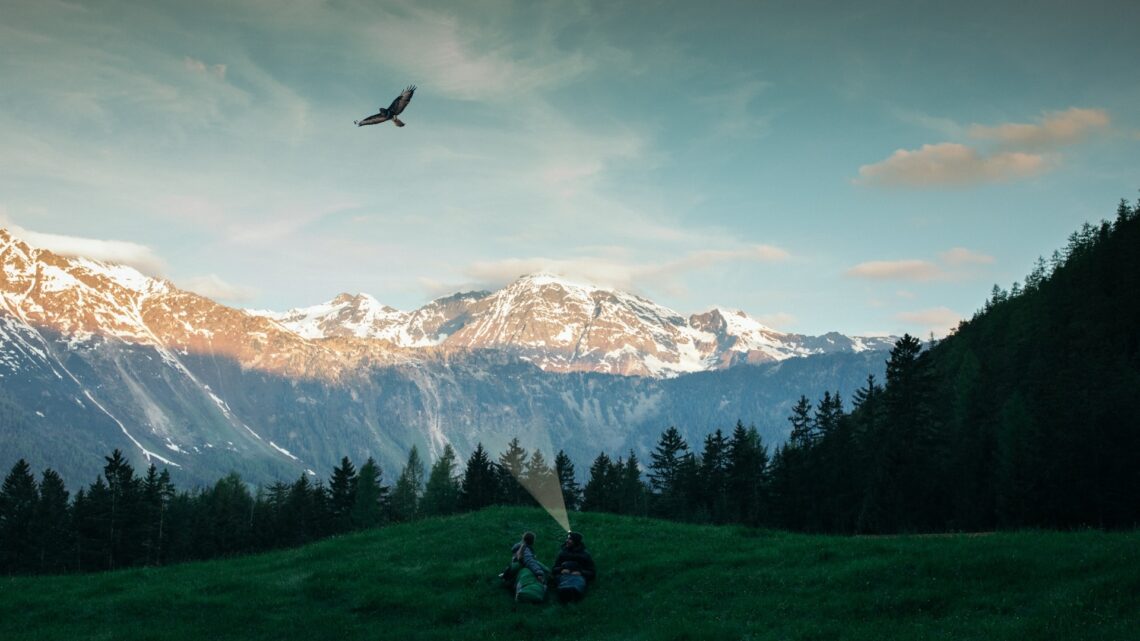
657, 581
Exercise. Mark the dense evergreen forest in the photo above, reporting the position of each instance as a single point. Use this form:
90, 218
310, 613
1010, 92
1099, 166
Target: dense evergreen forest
1023, 417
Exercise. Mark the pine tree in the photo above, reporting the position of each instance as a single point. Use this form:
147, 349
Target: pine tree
53, 525
713, 475
909, 483
92, 517
540, 480
125, 519
302, 516
441, 495
747, 476
665, 476
480, 481
18, 500
633, 495
802, 434
409, 488
342, 495
571, 492
600, 493
228, 519
512, 464
827, 414
370, 505
157, 492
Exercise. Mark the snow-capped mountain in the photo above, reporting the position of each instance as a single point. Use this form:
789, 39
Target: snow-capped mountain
563, 326
95, 357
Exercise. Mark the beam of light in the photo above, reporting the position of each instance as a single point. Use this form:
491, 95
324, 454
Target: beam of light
542, 483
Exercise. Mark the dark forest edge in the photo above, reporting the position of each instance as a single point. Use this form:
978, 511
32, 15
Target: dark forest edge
1021, 418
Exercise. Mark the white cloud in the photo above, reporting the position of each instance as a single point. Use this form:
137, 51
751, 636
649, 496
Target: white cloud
778, 320
616, 273
214, 287
733, 113
914, 270
939, 320
197, 66
119, 252
963, 256
950, 164
457, 60
1055, 128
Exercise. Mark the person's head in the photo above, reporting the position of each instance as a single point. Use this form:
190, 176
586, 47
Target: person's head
528, 538
573, 539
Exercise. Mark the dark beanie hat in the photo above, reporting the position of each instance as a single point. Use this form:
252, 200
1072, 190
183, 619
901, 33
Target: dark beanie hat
576, 537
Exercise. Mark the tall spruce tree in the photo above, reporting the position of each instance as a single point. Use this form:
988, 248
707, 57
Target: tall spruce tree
633, 495
539, 478
600, 493
54, 538
802, 434
18, 500
713, 477
441, 494
669, 480
370, 505
747, 476
571, 492
480, 486
125, 539
409, 488
342, 495
511, 467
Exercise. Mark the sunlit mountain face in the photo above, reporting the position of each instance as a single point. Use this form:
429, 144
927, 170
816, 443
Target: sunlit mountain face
95, 356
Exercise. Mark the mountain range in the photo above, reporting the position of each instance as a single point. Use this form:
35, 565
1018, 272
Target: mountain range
96, 356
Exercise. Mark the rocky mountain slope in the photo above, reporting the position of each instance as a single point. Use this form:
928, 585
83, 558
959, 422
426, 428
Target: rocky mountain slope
95, 357
562, 326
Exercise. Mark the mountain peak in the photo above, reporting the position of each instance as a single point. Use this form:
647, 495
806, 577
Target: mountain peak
541, 279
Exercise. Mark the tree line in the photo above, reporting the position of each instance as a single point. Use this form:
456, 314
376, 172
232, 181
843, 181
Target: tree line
1021, 418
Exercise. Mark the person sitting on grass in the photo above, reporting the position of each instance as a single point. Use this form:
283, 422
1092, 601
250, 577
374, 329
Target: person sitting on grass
573, 568
525, 574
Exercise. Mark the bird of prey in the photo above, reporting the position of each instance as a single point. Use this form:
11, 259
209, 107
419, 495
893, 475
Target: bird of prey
395, 109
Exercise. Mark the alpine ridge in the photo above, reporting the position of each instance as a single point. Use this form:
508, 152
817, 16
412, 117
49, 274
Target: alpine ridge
562, 326
95, 357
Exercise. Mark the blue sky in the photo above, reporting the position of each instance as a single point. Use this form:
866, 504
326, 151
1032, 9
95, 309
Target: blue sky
866, 169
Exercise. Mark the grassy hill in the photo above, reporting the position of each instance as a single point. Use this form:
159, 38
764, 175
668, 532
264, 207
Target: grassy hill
657, 580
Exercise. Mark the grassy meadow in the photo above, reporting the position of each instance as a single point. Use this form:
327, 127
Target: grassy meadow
435, 579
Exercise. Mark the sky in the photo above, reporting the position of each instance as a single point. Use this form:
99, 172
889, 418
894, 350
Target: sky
868, 169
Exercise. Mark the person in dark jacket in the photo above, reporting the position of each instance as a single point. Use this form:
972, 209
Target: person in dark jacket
573, 568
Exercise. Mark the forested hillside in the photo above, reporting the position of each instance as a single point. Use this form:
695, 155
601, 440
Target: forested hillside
1025, 416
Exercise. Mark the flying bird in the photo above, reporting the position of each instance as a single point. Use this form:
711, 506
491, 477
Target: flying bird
395, 109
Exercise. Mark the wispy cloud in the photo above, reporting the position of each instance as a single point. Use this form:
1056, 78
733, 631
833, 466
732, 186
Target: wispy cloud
955, 264
1023, 150
963, 256
197, 66
459, 61
777, 320
912, 270
734, 112
119, 252
609, 271
950, 164
937, 320
1052, 130
214, 287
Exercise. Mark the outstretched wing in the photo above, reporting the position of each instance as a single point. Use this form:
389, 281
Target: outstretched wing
375, 119
401, 101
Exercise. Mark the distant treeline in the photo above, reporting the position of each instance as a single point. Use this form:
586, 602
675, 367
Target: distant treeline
1024, 417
